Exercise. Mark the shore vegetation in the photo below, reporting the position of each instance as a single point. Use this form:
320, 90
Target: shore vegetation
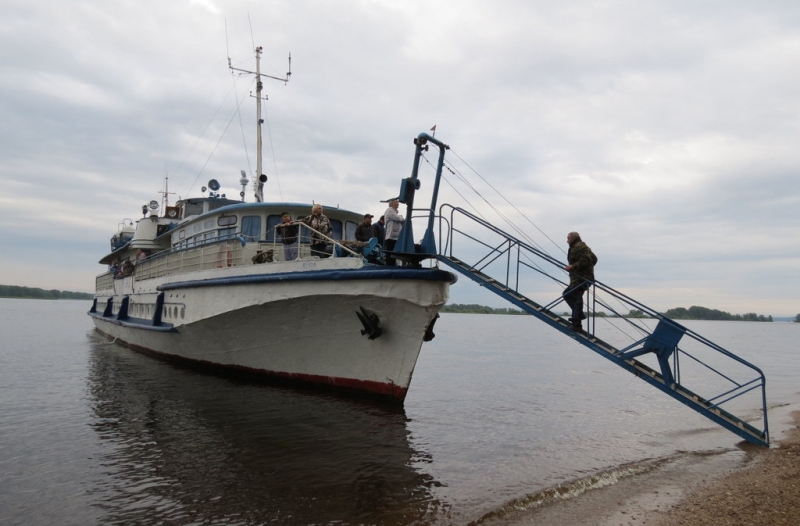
14, 291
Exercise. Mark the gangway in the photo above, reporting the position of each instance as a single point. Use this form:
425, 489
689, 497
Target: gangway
656, 349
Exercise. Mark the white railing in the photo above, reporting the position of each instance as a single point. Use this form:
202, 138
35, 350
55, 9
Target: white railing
232, 252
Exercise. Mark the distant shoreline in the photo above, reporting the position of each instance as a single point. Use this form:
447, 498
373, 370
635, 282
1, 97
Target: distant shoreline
679, 314
33, 293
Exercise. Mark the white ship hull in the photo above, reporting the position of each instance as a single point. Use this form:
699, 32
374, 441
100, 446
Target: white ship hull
299, 325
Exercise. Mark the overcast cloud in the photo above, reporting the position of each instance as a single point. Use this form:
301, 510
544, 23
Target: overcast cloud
666, 132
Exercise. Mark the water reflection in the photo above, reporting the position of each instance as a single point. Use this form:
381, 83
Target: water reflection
193, 448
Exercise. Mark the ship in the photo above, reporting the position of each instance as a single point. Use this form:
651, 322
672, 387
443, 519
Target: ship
207, 282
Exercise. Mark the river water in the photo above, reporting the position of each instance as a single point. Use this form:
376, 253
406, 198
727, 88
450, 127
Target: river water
502, 412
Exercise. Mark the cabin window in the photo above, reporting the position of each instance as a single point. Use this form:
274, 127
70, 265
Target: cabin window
213, 205
272, 221
350, 230
336, 226
251, 228
210, 236
197, 228
226, 233
226, 220
208, 224
182, 234
193, 209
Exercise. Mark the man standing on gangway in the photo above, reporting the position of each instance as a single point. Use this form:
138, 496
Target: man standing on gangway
581, 261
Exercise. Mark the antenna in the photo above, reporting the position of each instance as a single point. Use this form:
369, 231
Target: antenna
260, 176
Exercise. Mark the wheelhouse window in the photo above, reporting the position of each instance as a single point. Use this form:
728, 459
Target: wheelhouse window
251, 228
272, 221
226, 220
192, 209
350, 230
336, 227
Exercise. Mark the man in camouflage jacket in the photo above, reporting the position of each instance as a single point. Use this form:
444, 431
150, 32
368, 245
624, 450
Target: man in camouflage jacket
581, 261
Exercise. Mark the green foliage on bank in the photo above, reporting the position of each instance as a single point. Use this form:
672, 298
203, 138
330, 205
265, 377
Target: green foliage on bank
13, 291
703, 313
680, 313
472, 308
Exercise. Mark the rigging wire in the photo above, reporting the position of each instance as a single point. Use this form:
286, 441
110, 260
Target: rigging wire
272, 150
241, 128
508, 221
216, 145
519, 231
534, 264
199, 137
509, 202
252, 39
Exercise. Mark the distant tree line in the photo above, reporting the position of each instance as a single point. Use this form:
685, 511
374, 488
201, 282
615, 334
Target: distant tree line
473, 308
680, 313
703, 313
13, 291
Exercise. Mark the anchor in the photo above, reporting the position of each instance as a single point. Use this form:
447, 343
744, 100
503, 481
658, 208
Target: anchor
371, 322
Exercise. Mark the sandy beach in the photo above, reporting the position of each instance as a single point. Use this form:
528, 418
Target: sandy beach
753, 485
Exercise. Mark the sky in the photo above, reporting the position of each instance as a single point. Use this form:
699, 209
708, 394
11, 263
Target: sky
665, 132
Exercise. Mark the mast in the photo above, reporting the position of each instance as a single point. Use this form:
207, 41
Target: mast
261, 177
165, 193
259, 120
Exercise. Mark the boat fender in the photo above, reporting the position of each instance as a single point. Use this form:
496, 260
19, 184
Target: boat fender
371, 322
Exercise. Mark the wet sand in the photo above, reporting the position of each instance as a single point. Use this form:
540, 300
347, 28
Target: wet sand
752, 485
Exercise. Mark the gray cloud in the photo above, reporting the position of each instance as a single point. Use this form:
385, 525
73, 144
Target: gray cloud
665, 132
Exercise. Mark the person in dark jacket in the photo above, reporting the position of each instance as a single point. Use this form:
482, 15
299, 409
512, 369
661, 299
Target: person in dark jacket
380, 230
581, 261
288, 231
365, 231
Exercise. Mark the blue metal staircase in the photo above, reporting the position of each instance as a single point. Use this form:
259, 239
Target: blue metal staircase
667, 355
669, 344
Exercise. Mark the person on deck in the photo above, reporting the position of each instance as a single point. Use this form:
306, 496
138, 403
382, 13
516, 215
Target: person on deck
365, 230
380, 230
288, 232
321, 225
394, 224
581, 261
